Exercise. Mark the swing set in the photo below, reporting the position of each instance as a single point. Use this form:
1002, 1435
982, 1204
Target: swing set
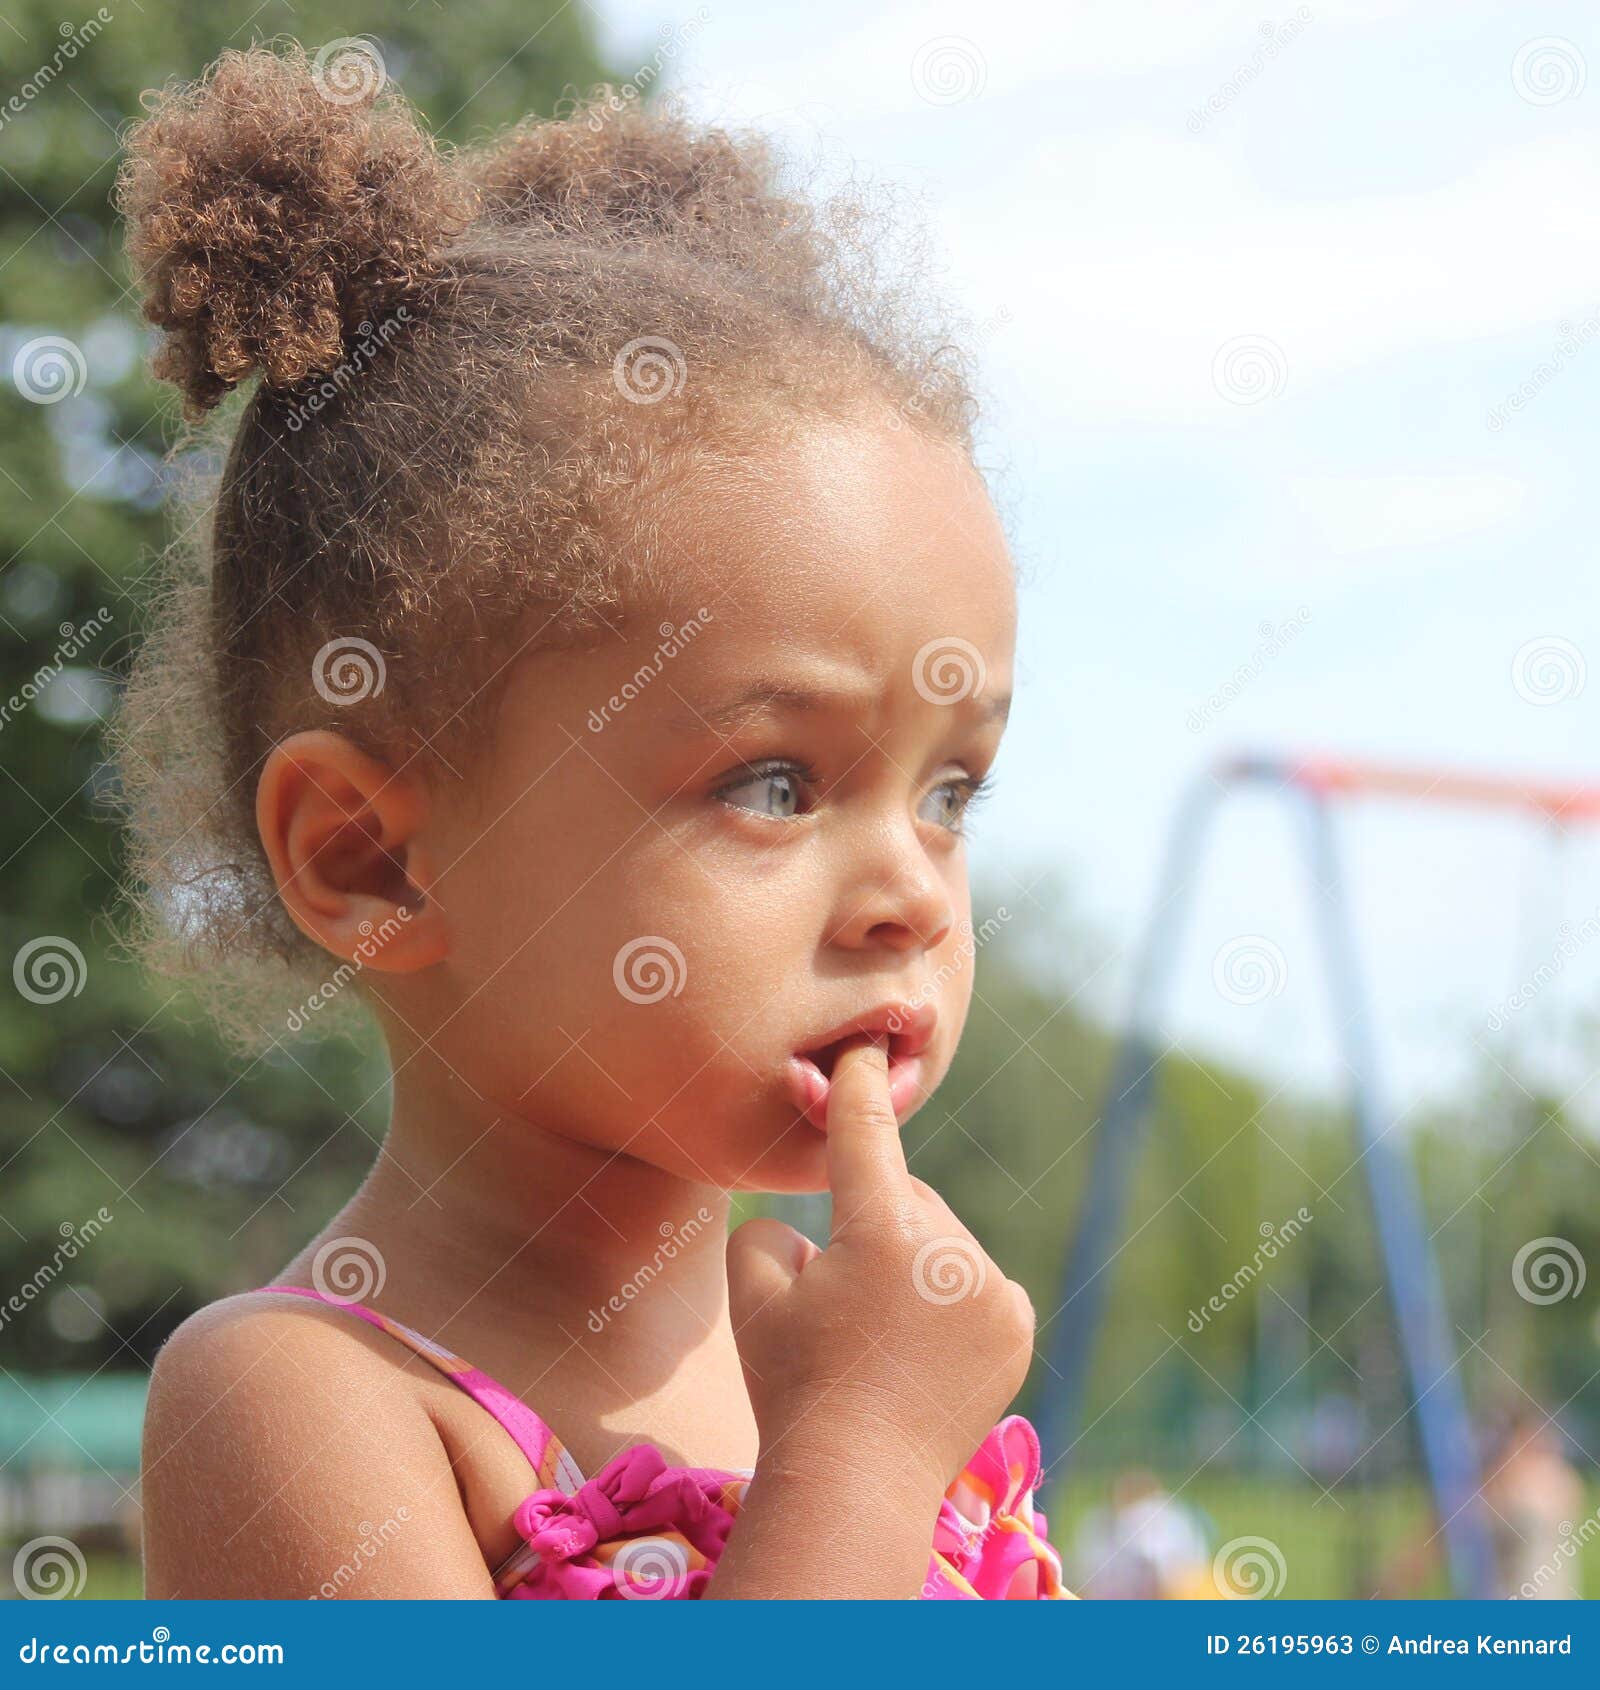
1313, 786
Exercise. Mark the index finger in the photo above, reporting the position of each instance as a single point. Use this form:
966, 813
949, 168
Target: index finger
865, 1155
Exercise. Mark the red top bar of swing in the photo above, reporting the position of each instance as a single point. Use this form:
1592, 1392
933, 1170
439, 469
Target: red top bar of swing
1335, 775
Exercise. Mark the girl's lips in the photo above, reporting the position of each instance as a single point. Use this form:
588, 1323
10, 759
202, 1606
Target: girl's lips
809, 1087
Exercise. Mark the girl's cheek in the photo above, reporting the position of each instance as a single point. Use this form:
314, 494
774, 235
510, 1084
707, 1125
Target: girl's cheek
956, 967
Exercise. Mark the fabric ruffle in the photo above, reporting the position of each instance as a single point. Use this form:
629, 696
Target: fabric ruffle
989, 1541
638, 1528
642, 1529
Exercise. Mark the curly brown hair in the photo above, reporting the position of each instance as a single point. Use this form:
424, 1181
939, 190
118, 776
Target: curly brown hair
455, 432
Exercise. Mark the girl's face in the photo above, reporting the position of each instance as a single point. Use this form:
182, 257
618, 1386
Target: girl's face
699, 850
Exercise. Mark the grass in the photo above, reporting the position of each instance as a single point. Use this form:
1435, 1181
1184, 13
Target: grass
1333, 1547
1330, 1548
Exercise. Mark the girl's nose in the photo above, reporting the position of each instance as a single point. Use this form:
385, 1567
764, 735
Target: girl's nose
895, 897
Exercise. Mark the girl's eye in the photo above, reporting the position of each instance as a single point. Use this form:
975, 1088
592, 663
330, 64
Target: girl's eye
948, 803
769, 792
782, 791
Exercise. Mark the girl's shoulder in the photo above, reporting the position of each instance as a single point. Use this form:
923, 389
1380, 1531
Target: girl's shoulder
281, 1442
308, 1361
261, 1336
264, 1309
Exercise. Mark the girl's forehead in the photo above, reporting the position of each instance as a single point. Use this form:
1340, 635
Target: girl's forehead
805, 686
847, 636
863, 540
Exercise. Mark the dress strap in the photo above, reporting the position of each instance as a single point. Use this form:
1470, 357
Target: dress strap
545, 1452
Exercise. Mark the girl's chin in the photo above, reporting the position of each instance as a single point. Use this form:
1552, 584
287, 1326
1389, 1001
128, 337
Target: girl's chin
796, 1165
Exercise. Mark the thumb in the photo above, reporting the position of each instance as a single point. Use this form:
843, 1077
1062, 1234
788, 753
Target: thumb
765, 1257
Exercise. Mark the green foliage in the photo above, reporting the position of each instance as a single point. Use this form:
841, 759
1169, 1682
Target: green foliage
1298, 1373
213, 1175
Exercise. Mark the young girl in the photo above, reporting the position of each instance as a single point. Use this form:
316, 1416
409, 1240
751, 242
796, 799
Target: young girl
601, 633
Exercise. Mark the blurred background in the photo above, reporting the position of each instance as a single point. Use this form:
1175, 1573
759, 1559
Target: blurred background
1287, 319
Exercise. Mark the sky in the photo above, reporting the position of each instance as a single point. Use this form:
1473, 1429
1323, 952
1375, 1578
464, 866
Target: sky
1288, 322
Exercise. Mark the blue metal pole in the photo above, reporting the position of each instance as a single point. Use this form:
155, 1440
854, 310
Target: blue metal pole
1076, 1320
1409, 1267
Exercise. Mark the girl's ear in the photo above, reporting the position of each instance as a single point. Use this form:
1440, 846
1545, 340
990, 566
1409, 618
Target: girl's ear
342, 832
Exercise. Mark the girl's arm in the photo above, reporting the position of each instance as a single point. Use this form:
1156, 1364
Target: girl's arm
281, 1460
870, 1394
830, 1528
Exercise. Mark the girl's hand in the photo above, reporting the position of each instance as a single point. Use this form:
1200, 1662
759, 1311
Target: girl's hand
897, 1348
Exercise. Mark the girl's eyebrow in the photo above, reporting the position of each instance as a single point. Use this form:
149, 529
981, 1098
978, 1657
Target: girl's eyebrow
777, 697
763, 697
994, 706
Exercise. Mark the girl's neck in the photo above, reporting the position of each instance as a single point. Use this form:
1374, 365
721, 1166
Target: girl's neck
488, 1220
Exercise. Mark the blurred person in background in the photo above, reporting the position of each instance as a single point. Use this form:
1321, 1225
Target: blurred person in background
1144, 1543
1534, 1499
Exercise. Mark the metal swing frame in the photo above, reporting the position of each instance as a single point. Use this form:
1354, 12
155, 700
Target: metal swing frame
1415, 1294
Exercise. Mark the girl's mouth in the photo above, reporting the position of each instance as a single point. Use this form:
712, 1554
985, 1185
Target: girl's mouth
909, 1031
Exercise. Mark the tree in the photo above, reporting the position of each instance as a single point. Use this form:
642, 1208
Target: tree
112, 1104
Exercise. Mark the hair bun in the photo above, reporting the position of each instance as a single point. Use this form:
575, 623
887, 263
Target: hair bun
614, 169
272, 206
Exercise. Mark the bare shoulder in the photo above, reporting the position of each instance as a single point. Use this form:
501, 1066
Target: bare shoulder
286, 1454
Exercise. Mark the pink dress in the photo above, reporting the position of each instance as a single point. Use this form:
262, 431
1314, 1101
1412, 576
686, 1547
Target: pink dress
641, 1528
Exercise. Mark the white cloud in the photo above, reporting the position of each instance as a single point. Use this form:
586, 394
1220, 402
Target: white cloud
1359, 513
1142, 254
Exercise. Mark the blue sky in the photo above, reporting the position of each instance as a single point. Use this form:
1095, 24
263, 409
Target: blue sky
1388, 217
